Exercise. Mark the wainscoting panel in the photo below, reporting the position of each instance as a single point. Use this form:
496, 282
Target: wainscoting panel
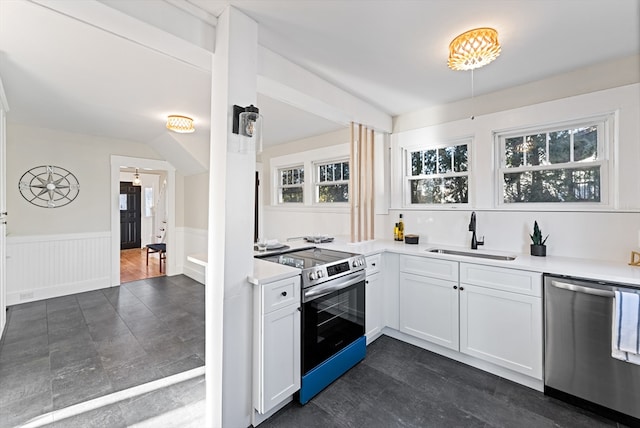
45, 266
194, 241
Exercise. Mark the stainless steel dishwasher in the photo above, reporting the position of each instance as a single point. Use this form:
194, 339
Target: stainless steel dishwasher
578, 364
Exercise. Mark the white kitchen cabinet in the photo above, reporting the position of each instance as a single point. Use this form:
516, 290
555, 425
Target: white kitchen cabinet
501, 317
429, 309
277, 339
501, 327
374, 298
374, 309
490, 313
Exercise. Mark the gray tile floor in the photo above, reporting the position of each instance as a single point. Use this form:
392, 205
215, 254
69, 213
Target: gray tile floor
66, 350
400, 385
62, 351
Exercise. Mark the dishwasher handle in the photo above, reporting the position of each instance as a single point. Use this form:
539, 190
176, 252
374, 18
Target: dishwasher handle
582, 289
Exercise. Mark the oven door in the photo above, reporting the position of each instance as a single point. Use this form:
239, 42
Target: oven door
332, 318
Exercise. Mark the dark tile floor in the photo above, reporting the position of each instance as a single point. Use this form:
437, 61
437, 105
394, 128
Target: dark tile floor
400, 385
63, 351
66, 350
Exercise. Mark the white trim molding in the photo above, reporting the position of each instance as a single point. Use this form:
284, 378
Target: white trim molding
46, 266
116, 163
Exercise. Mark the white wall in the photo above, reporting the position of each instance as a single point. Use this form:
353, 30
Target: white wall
86, 156
606, 235
192, 238
609, 235
53, 252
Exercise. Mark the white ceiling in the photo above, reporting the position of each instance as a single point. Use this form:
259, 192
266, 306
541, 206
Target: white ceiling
62, 73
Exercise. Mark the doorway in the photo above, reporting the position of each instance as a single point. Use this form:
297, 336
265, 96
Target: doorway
130, 216
137, 259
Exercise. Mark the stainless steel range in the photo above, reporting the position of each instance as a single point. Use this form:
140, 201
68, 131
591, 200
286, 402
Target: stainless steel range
319, 264
333, 314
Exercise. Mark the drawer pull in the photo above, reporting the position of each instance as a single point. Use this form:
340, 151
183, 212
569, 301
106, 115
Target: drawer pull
455, 287
373, 264
461, 288
284, 293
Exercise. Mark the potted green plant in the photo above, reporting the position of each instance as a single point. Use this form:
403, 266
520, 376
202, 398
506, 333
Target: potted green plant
538, 248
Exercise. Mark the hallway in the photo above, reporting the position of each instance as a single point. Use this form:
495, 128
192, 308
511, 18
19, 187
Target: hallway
133, 265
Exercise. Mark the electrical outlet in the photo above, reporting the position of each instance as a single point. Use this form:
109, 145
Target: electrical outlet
25, 296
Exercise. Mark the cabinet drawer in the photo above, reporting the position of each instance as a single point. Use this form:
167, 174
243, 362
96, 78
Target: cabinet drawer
280, 294
434, 268
373, 263
513, 280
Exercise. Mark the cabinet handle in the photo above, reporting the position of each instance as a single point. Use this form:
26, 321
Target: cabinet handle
455, 287
461, 288
373, 264
366, 282
284, 293
299, 309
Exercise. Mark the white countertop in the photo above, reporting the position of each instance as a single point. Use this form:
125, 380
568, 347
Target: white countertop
265, 272
617, 272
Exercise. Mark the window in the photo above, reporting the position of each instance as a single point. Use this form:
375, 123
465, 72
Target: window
332, 182
291, 185
560, 164
148, 201
438, 175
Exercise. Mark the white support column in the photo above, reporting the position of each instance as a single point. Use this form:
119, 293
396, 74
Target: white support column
230, 253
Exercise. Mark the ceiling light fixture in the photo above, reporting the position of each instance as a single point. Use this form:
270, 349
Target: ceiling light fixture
136, 179
473, 49
181, 124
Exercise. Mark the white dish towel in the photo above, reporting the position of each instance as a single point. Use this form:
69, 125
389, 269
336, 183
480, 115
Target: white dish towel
625, 337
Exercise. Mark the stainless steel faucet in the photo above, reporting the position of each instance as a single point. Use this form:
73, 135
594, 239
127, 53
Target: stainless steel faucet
472, 228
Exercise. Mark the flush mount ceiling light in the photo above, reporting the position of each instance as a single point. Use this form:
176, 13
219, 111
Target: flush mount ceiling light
181, 124
473, 49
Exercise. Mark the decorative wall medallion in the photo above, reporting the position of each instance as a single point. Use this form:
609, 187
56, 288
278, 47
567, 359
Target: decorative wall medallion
49, 186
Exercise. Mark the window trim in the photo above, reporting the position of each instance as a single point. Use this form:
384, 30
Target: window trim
407, 178
307, 158
317, 183
606, 125
281, 186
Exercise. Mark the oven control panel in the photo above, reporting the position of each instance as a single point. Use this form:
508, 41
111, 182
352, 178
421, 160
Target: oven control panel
337, 269
322, 273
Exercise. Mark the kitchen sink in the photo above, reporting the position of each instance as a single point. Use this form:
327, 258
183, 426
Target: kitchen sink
472, 254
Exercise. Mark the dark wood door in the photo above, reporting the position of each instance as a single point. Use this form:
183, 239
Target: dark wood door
130, 201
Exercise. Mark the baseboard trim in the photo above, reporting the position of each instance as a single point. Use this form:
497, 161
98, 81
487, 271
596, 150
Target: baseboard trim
28, 294
196, 273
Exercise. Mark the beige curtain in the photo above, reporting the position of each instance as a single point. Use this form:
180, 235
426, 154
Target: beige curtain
361, 183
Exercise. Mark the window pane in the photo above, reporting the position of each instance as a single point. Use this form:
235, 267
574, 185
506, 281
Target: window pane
427, 191
559, 147
416, 163
513, 152
444, 160
291, 194
460, 159
535, 148
429, 162
585, 144
338, 171
556, 185
333, 193
323, 173
451, 190
345, 170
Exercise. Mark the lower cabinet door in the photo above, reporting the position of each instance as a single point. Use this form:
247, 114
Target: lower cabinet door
279, 362
429, 309
374, 308
502, 328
